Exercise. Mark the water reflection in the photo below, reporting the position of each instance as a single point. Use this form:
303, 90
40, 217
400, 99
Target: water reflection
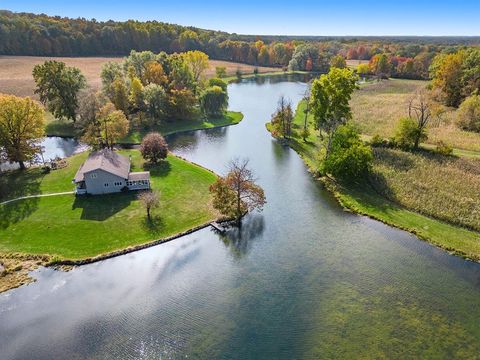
239, 239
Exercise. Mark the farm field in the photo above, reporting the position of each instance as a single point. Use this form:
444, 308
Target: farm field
16, 71
378, 106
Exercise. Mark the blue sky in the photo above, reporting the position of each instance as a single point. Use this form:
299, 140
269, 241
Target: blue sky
347, 17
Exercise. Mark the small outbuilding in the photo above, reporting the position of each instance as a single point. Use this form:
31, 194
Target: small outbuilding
105, 172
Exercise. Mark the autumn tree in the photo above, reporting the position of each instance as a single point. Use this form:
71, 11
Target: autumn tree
154, 147
237, 192
380, 66
155, 100
468, 114
89, 105
197, 61
22, 125
338, 61
329, 101
57, 86
155, 74
282, 118
150, 200
446, 72
110, 126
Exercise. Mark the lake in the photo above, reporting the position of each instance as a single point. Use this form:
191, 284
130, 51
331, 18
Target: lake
301, 280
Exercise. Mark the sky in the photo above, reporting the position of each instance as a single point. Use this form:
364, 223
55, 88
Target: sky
280, 17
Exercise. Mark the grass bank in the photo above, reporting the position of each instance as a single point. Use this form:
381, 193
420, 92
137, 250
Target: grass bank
65, 128
424, 185
69, 227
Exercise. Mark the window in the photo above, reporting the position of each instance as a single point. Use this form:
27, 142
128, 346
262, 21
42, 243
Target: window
118, 183
93, 175
106, 184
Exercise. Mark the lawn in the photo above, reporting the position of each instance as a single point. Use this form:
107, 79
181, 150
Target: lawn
416, 183
79, 227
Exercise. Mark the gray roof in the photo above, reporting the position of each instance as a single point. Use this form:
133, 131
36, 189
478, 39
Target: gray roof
140, 175
106, 160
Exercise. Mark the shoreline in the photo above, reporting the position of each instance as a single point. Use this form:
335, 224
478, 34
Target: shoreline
349, 203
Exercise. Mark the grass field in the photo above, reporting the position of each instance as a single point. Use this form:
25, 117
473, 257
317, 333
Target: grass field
378, 106
16, 71
94, 225
447, 190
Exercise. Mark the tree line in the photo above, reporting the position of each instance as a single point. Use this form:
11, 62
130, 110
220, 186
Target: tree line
42, 35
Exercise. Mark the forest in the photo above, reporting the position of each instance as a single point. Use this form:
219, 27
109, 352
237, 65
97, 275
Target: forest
42, 35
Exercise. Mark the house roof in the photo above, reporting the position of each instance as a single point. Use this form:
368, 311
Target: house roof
106, 160
141, 175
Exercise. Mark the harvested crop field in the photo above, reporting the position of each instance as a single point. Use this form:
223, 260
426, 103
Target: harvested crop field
16, 71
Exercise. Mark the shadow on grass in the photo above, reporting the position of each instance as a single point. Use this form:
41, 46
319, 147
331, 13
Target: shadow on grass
18, 183
239, 239
16, 211
161, 169
101, 207
154, 225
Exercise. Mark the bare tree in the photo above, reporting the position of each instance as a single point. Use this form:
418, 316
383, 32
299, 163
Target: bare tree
419, 110
237, 193
150, 200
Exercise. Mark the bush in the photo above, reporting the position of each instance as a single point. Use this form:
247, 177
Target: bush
349, 159
154, 147
238, 74
221, 71
217, 82
255, 71
408, 132
377, 141
443, 148
468, 114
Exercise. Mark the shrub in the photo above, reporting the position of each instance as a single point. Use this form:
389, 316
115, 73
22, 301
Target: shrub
349, 159
377, 141
255, 71
218, 82
238, 74
468, 114
221, 71
443, 148
154, 147
408, 132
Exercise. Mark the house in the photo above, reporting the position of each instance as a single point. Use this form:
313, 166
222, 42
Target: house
105, 172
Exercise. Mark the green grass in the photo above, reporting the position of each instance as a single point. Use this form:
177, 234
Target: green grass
65, 128
167, 128
79, 227
364, 200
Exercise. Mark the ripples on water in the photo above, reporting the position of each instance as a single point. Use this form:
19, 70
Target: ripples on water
302, 279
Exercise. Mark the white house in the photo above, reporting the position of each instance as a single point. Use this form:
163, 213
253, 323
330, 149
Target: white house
105, 172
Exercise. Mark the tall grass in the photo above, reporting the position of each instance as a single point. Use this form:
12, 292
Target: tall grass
445, 188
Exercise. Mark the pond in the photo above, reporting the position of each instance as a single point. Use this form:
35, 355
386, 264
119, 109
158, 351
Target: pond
53, 147
301, 280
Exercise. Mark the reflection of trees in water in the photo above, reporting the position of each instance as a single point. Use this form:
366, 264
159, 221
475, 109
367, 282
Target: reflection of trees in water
282, 78
189, 140
239, 239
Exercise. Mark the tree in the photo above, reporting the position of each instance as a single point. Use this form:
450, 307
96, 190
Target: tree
110, 72
408, 133
110, 126
282, 118
468, 114
136, 94
22, 125
154, 147
237, 193
58, 86
329, 101
154, 74
419, 110
380, 66
155, 100
350, 158
150, 200
89, 105
197, 61
120, 95
363, 69
213, 101
446, 72
338, 61
221, 71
